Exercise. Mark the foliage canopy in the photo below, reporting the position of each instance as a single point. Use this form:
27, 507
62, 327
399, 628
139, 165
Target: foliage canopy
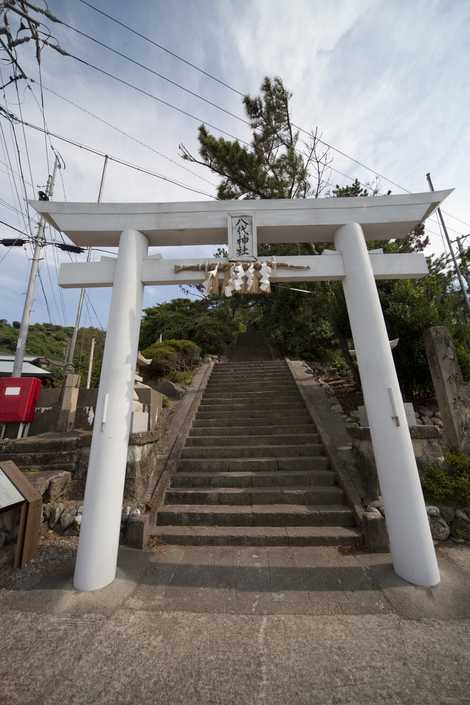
279, 163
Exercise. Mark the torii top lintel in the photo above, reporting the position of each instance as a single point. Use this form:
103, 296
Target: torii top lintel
205, 222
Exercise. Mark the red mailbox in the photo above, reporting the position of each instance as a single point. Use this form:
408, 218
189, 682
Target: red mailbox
18, 396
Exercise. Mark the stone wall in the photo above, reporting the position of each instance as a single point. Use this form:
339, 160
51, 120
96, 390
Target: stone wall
70, 452
47, 412
428, 446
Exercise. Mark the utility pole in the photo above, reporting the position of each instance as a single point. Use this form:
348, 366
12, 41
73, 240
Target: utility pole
37, 256
465, 271
451, 249
69, 362
90, 363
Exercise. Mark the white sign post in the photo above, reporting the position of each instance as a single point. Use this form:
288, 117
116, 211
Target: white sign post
346, 222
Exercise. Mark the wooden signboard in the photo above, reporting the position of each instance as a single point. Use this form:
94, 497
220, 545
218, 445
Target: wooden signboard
17, 491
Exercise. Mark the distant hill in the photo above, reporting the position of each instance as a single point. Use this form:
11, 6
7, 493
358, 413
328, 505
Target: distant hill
51, 341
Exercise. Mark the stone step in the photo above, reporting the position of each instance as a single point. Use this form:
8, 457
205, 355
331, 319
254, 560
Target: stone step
269, 370
292, 464
315, 478
244, 378
244, 416
253, 384
43, 458
226, 407
211, 420
257, 430
258, 364
257, 401
260, 371
237, 439
259, 397
241, 389
254, 495
257, 536
255, 515
259, 451
69, 466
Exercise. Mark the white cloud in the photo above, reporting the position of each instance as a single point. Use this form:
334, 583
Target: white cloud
386, 82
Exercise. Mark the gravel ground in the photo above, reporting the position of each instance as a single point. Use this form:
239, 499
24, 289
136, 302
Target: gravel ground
55, 556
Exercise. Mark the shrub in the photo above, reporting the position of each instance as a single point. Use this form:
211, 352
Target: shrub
181, 377
189, 353
173, 358
164, 359
448, 483
463, 357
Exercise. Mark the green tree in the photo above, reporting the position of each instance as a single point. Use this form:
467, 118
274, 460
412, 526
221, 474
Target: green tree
277, 163
212, 325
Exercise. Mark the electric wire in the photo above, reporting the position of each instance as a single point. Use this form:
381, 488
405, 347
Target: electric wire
45, 297
12, 171
43, 111
20, 110
165, 49
22, 178
146, 93
48, 242
133, 86
221, 82
11, 174
152, 96
131, 137
111, 157
152, 71
54, 295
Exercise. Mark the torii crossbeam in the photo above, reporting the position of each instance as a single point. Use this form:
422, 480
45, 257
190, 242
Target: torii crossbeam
346, 222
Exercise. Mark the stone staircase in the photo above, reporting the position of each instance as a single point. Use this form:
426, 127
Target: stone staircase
253, 470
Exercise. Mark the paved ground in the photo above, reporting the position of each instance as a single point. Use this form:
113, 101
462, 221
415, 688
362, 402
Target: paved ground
245, 626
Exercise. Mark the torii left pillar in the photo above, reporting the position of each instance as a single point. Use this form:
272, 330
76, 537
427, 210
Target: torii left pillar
101, 523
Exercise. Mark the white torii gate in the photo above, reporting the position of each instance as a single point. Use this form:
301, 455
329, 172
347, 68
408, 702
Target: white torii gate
346, 222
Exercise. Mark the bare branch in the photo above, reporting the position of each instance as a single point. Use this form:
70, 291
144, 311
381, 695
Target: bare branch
25, 17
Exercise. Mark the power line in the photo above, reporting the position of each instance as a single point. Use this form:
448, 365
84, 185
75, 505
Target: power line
133, 86
454, 217
45, 297
31, 238
165, 49
118, 160
126, 134
171, 105
22, 178
99, 153
240, 93
43, 111
152, 71
11, 172
87, 297
154, 97
212, 125
20, 109
220, 81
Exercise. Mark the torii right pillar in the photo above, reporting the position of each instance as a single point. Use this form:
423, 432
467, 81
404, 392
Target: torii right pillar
411, 545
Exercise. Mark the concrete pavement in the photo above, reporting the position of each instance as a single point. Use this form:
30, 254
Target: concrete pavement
238, 625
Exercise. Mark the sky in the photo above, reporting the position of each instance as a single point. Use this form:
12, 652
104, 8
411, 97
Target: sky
386, 83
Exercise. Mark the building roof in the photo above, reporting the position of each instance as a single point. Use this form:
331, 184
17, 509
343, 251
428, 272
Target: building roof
27, 358
205, 222
29, 370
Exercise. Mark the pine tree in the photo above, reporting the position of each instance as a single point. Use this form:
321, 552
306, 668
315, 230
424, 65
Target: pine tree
277, 163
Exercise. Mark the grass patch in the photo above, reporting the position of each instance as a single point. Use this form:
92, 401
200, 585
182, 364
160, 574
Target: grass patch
448, 483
